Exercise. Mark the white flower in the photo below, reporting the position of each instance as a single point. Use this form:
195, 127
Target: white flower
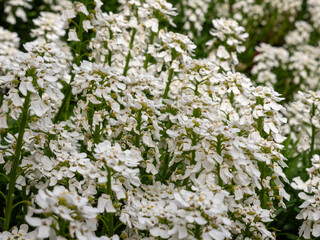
17, 233
43, 225
161, 231
38, 106
26, 85
3, 121
72, 35
49, 25
81, 8
179, 228
87, 25
105, 204
69, 13
153, 24
223, 53
316, 229
195, 216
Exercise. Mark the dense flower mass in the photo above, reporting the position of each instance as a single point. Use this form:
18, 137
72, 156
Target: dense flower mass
156, 119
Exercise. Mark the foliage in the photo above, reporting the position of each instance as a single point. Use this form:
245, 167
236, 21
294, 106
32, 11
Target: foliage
154, 119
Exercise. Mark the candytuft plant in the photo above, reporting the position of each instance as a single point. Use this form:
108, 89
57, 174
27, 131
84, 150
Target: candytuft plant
151, 119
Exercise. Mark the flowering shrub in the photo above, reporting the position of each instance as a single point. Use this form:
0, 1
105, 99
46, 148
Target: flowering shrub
150, 119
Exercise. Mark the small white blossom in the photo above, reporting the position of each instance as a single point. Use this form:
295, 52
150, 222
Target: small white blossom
72, 35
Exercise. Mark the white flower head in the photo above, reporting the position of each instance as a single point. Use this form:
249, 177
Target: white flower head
72, 35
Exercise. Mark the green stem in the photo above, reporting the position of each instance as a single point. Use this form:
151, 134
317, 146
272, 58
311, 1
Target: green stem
313, 135
16, 162
77, 59
1, 97
262, 168
109, 58
138, 135
109, 215
194, 142
171, 72
148, 56
281, 31
170, 170
166, 91
262, 165
196, 90
109, 51
197, 232
62, 226
79, 44
104, 224
247, 231
219, 151
166, 161
166, 158
260, 125
231, 2
126, 68
65, 101
97, 134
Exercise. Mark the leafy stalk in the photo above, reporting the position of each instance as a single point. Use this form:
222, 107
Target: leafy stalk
166, 91
313, 135
138, 135
16, 162
77, 59
148, 56
110, 215
219, 151
170, 76
126, 68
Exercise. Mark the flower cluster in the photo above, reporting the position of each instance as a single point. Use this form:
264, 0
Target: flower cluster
311, 200
117, 121
229, 38
9, 44
17, 9
65, 206
303, 115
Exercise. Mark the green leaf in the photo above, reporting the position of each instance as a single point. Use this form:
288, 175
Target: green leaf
18, 203
289, 235
3, 195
